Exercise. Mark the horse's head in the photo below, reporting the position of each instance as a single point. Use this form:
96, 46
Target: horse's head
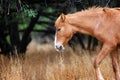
64, 32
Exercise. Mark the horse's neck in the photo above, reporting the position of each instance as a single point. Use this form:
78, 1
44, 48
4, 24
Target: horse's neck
84, 24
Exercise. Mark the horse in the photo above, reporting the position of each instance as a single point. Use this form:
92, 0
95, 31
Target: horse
103, 23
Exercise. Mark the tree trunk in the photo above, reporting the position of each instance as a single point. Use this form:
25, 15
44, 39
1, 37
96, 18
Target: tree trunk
14, 37
26, 36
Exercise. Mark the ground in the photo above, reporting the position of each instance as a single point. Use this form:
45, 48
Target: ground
42, 62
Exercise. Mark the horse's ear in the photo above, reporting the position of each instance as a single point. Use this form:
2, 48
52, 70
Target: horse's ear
63, 17
105, 9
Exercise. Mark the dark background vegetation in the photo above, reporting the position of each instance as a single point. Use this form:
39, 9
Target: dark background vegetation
19, 19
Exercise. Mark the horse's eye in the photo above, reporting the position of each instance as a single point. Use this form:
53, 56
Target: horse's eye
58, 29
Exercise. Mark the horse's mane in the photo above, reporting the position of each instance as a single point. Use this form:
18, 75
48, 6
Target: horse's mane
91, 10
97, 10
94, 11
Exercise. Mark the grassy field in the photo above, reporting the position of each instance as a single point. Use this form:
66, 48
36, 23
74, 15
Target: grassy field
42, 62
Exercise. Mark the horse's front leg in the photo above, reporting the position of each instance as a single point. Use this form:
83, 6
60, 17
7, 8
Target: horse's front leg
114, 56
107, 48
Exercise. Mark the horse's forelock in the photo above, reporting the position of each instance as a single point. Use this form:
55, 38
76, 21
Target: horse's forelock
57, 22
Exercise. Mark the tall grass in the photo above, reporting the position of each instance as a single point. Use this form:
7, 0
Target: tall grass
42, 62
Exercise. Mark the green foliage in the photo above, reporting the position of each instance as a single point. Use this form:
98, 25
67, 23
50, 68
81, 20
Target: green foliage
49, 10
44, 18
39, 27
22, 26
1, 10
8, 39
29, 12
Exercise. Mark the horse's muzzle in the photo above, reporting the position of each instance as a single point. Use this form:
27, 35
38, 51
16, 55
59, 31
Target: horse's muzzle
59, 47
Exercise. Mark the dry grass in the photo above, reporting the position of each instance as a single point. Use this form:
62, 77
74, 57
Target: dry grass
42, 62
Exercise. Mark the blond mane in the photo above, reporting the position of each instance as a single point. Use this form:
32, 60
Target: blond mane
89, 11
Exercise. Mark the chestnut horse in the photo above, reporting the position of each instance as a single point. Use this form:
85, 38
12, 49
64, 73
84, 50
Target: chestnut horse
102, 23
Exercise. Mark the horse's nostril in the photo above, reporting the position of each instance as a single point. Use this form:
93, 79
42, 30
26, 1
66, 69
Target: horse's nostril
59, 47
